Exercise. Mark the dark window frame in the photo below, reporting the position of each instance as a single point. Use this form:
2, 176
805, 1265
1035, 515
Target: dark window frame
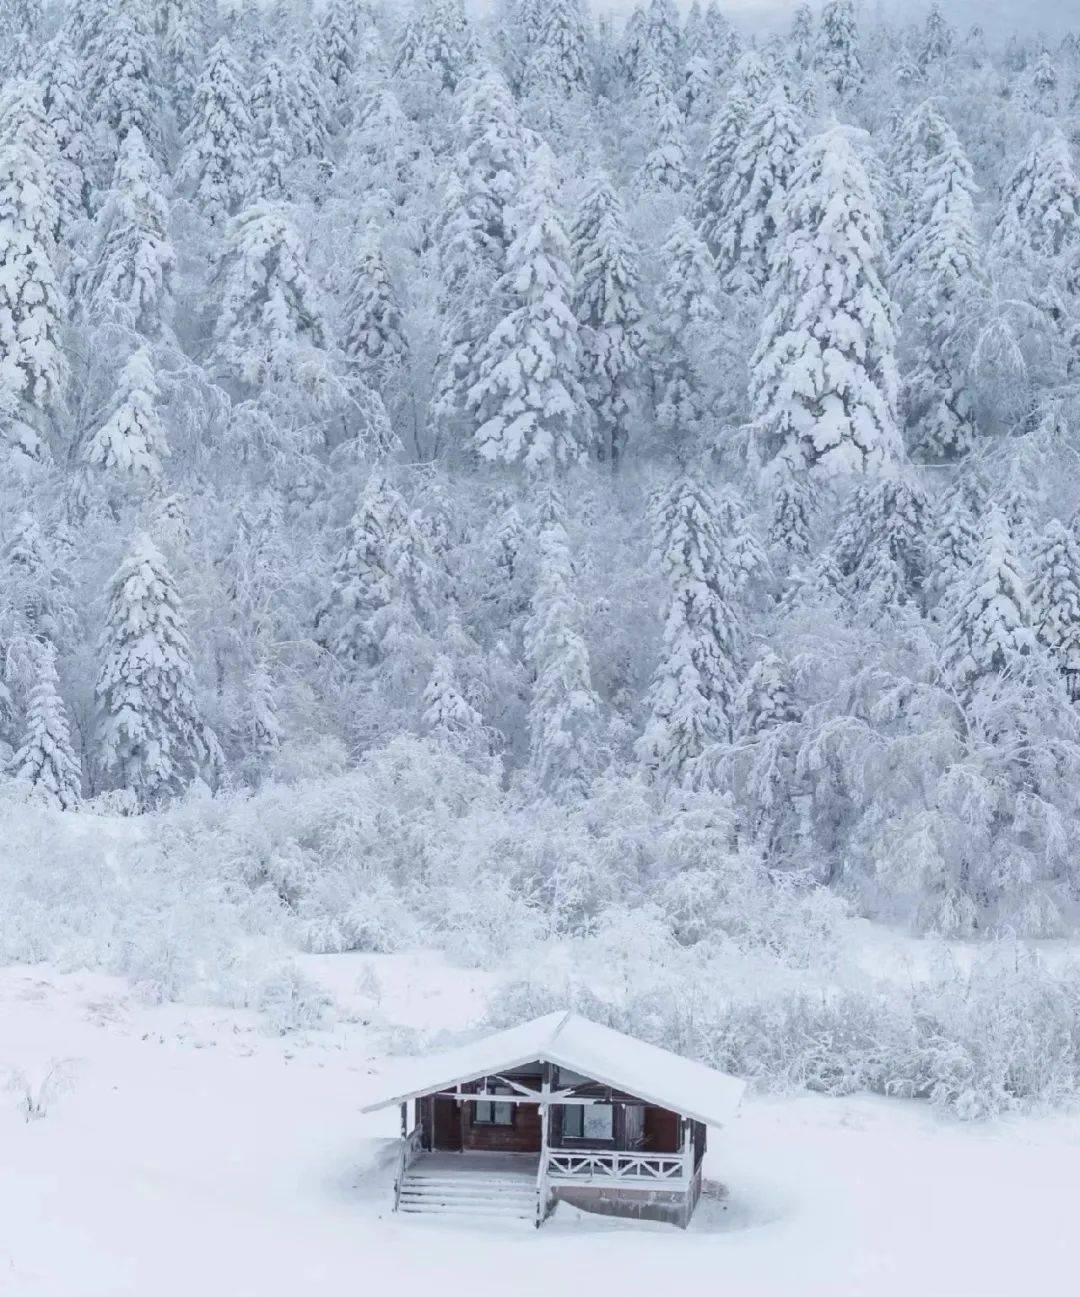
490, 1105
583, 1138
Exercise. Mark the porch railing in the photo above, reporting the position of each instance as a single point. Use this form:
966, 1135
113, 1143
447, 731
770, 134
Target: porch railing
407, 1155
643, 1169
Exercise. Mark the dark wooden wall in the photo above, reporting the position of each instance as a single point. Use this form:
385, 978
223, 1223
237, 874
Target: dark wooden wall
661, 1131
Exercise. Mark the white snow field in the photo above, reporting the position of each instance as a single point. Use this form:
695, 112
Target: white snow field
193, 1153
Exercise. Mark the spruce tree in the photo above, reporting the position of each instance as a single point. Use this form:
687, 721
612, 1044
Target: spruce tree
662, 37
474, 237
558, 51
65, 107
127, 83
127, 449
448, 716
938, 43
824, 378
32, 366
338, 52
665, 170
270, 328
753, 199
264, 727
837, 57
218, 157
374, 337
1040, 210
46, 760
936, 269
153, 739
1055, 598
707, 208
989, 629
685, 331
129, 278
183, 32
609, 313
691, 700
528, 402
564, 711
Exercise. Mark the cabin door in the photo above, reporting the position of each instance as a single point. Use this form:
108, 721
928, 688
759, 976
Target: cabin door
447, 1125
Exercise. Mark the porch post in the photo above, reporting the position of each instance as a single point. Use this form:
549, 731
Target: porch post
405, 1119
541, 1175
688, 1148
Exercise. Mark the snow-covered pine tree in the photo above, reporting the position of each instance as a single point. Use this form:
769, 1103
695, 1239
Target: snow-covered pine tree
791, 515
182, 33
264, 728
1055, 599
130, 268
449, 717
686, 331
752, 202
564, 711
270, 328
837, 56
46, 761
65, 110
989, 628
1040, 209
219, 144
692, 697
473, 240
127, 450
728, 131
609, 313
374, 337
936, 269
824, 379
632, 48
338, 52
32, 311
938, 44
442, 39
1043, 83
665, 169
152, 736
558, 52
126, 89
801, 38
953, 549
663, 39
379, 589
528, 401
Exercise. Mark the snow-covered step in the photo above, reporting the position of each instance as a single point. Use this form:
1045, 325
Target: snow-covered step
474, 1195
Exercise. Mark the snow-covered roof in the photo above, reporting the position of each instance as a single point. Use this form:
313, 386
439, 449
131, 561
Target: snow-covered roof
581, 1046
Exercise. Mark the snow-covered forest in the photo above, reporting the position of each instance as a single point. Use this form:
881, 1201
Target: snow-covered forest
525, 480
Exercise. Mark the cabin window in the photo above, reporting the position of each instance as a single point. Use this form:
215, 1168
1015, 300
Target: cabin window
589, 1121
489, 1112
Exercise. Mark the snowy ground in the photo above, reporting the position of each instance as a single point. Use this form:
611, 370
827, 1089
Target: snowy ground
194, 1153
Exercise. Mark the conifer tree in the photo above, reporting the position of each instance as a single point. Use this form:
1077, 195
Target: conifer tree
693, 692
665, 170
802, 36
32, 366
707, 208
632, 50
65, 108
609, 313
183, 33
46, 760
838, 60
338, 52
752, 201
564, 711
218, 156
938, 41
765, 700
127, 84
824, 379
374, 337
128, 448
153, 739
937, 268
265, 730
1040, 211
473, 241
686, 326
448, 716
989, 628
130, 272
663, 38
1043, 85
380, 584
1055, 598
270, 328
442, 39
953, 548
792, 511
528, 402
558, 50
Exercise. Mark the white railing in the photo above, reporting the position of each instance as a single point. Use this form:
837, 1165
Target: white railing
645, 1169
409, 1152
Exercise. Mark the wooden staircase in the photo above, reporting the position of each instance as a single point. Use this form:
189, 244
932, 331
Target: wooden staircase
438, 1192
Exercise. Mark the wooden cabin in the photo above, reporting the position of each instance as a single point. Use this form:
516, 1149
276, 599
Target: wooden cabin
560, 1109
